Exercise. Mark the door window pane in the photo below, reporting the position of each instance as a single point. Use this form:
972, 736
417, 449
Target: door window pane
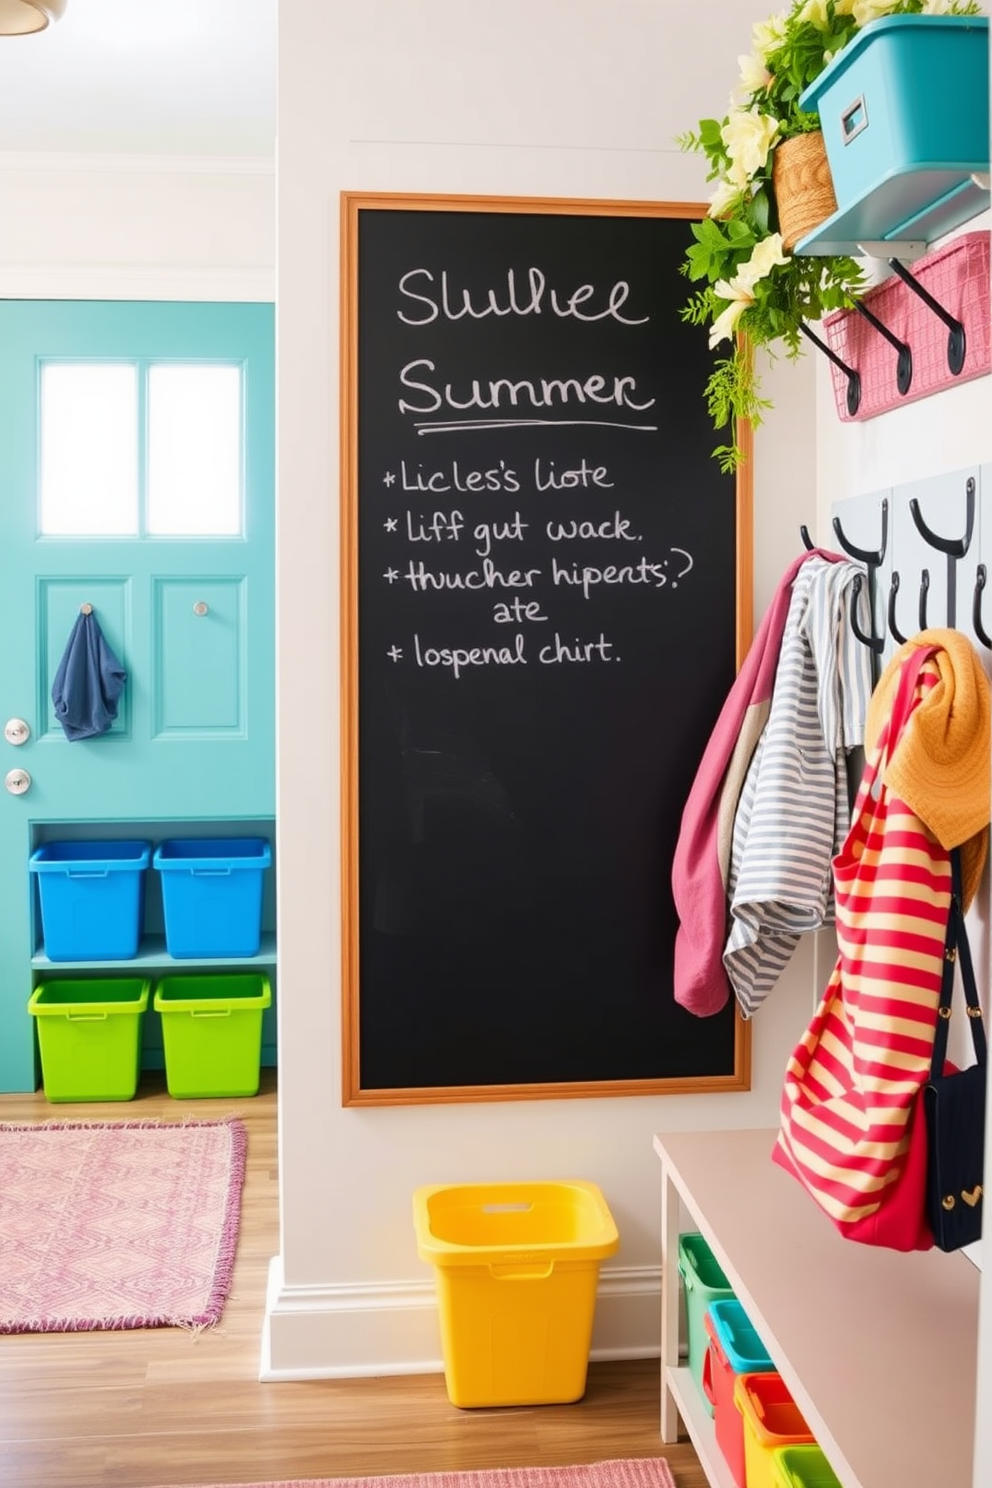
194, 451
89, 449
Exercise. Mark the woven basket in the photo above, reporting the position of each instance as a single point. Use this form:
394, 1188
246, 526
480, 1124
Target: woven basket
804, 188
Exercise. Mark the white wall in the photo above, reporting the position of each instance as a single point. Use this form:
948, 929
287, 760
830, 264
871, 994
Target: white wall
528, 97
136, 227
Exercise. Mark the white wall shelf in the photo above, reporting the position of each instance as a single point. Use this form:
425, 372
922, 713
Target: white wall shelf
877, 1348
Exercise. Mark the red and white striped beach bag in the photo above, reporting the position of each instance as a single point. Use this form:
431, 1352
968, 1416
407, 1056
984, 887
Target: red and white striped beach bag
850, 1102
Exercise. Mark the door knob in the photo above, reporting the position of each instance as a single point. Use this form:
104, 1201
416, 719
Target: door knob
17, 782
16, 731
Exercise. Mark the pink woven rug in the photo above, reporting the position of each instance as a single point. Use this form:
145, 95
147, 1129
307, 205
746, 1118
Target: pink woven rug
626, 1472
118, 1224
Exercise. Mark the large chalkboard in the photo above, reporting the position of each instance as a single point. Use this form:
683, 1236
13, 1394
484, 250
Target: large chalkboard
542, 596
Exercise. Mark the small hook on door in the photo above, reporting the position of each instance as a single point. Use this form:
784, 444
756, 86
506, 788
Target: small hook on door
201, 607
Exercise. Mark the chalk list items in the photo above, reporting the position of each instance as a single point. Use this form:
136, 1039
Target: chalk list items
518, 562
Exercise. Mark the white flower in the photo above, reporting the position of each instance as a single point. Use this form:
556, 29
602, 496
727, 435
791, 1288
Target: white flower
739, 291
740, 298
815, 11
748, 138
843, 7
768, 36
724, 197
870, 10
754, 74
764, 257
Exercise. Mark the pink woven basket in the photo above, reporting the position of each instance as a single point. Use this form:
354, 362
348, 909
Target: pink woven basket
957, 275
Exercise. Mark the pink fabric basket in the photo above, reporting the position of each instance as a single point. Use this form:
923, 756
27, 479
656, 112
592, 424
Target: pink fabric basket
957, 275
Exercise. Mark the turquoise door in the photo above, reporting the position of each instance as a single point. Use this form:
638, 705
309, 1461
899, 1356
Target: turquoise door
136, 477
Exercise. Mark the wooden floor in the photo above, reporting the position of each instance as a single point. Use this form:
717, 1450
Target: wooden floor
166, 1406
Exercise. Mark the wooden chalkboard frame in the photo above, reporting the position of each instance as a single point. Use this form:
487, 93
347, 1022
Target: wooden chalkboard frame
354, 1092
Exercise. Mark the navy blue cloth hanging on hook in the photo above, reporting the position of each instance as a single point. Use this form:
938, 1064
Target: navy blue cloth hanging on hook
88, 682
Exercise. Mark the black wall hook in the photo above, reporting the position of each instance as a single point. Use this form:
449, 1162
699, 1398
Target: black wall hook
924, 593
953, 547
808, 543
904, 357
981, 574
873, 642
853, 377
956, 340
872, 559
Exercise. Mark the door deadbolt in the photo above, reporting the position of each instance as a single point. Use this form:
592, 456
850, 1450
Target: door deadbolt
16, 731
17, 782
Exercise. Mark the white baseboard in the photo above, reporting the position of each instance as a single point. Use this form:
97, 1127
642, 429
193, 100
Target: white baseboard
355, 1330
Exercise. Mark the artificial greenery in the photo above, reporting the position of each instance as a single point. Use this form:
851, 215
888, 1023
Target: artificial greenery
754, 292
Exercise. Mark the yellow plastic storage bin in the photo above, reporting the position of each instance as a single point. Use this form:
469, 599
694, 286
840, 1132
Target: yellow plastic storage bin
516, 1267
772, 1419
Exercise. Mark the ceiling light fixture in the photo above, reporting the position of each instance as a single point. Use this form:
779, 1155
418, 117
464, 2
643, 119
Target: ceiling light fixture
22, 17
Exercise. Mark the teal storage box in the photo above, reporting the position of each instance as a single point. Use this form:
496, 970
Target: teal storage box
89, 1036
92, 897
703, 1282
212, 1032
904, 109
212, 895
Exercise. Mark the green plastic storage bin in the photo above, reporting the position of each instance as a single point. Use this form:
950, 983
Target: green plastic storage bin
89, 1036
803, 1467
212, 1032
703, 1282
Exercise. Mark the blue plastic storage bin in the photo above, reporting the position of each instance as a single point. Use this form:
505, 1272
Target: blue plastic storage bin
904, 109
212, 895
92, 897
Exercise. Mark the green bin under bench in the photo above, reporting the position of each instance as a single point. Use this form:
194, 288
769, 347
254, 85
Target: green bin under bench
212, 1032
89, 1036
703, 1282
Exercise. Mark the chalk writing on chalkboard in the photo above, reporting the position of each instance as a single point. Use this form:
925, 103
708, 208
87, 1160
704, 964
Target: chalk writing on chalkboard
541, 598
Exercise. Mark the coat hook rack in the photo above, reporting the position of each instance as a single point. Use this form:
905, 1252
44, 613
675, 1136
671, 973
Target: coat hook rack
954, 548
904, 359
981, 575
956, 340
924, 593
853, 377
